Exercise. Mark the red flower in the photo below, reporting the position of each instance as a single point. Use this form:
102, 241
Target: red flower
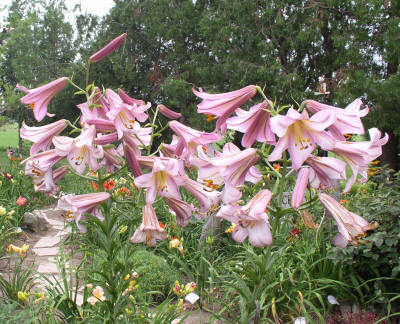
295, 231
108, 185
21, 201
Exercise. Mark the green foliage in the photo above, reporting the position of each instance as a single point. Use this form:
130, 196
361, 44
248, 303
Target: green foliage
11, 313
155, 274
375, 264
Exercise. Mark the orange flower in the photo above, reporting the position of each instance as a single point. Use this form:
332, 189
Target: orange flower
95, 185
108, 185
376, 162
343, 201
277, 167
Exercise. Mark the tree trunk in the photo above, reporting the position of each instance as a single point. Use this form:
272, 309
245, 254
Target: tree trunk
390, 150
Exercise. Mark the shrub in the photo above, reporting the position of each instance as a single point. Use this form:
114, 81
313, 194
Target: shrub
155, 273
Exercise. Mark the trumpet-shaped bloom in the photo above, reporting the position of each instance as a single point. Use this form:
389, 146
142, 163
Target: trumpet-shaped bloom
37, 165
42, 136
207, 197
299, 133
46, 183
80, 151
106, 139
347, 120
324, 170
108, 49
138, 106
76, 206
224, 104
190, 138
168, 112
300, 187
112, 159
39, 98
150, 230
236, 168
255, 124
164, 180
351, 226
251, 220
121, 114
97, 107
359, 154
182, 210
168, 150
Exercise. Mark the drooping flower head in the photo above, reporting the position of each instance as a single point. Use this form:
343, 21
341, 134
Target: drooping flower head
190, 138
182, 210
42, 136
39, 98
251, 220
150, 230
348, 120
300, 187
37, 165
299, 134
324, 170
168, 112
359, 154
164, 179
254, 124
351, 226
224, 104
76, 206
80, 151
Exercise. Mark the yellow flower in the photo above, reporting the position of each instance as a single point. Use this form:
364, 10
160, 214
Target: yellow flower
10, 214
122, 180
2, 211
127, 276
123, 229
230, 229
128, 311
190, 287
22, 296
180, 303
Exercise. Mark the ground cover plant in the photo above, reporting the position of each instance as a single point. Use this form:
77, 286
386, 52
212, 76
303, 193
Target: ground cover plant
247, 232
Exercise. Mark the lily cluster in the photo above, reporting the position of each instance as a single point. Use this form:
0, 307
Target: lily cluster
113, 135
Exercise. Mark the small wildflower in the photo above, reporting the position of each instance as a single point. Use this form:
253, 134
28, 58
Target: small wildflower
277, 167
376, 162
123, 229
177, 288
230, 229
135, 274
180, 303
343, 201
127, 277
89, 286
94, 185
21, 201
22, 296
122, 180
128, 311
190, 287
108, 185
2, 211
7, 175
175, 243
295, 231
371, 174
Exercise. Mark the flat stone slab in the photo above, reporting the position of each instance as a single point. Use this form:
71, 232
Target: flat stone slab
46, 251
54, 222
47, 241
64, 231
47, 267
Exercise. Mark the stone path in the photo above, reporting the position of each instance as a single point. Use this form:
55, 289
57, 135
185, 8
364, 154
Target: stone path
45, 248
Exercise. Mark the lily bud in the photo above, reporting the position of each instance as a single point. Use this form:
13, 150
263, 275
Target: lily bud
108, 49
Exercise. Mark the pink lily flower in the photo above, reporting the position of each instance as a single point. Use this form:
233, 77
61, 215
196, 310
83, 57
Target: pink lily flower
39, 98
300, 187
208, 198
347, 120
224, 104
255, 124
149, 231
324, 170
76, 206
208, 173
102, 125
80, 151
42, 136
37, 165
359, 154
182, 210
168, 150
131, 153
351, 226
190, 138
112, 159
299, 133
108, 49
47, 182
164, 180
168, 112
98, 107
138, 106
236, 169
121, 114
251, 220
